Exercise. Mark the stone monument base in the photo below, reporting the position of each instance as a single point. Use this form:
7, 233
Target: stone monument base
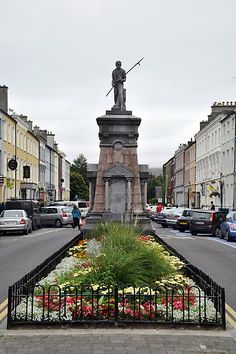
140, 220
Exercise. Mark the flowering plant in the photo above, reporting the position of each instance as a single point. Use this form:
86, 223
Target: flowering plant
159, 292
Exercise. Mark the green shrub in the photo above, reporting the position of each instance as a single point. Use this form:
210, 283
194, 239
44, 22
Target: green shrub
126, 260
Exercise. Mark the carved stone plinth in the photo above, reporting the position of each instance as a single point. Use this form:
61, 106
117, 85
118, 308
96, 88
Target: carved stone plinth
118, 184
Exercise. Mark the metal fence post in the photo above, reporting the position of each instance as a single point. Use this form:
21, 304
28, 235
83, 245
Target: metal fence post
116, 302
9, 308
223, 308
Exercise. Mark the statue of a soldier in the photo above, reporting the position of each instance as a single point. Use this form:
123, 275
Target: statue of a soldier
118, 79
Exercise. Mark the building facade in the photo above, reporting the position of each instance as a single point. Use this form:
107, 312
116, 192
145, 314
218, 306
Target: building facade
179, 175
41, 171
189, 175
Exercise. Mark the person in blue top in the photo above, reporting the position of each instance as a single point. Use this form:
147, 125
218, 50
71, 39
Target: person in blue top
76, 214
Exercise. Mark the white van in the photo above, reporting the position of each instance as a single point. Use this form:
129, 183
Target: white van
82, 205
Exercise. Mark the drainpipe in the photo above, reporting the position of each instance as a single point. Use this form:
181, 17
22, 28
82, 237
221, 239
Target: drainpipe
16, 159
234, 196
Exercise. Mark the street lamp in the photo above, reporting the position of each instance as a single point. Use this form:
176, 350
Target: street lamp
221, 191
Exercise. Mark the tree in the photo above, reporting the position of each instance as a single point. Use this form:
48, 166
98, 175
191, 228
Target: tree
80, 165
151, 187
78, 187
78, 178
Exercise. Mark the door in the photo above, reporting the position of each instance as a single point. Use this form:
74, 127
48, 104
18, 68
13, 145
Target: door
117, 195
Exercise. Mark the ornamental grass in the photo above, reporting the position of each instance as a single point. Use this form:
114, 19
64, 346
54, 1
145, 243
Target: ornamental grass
150, 283
127, 259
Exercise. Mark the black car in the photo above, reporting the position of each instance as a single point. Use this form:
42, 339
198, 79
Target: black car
31, 207
183, 221
206, 222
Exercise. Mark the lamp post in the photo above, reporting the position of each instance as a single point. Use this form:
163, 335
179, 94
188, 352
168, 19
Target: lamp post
221, 191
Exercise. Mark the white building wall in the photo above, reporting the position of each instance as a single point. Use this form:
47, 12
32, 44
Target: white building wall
227, 160
208, 161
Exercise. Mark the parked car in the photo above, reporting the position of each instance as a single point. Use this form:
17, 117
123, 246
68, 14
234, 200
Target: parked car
81, 204
151, 211
206, 222
57, 215
161, 218
184, 220
172, 217
15, 221
31, 207
228, 227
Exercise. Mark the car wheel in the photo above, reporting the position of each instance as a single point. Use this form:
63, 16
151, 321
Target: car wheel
216, 233
58, 223
181, 230
4, 233
26, 231
194, 233
164, 225
33, 225
30, 230
227, 237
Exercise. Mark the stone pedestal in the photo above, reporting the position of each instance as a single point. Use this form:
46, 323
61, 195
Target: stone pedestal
117, 184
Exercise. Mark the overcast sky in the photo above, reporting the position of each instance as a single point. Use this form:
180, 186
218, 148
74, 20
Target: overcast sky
56, 57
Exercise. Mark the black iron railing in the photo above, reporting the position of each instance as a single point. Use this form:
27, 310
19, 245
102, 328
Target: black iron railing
28, 281
31, 303
204, 281
113, 304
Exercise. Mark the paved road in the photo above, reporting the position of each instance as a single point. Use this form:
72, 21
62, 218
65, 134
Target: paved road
20, 254
214, 256
116, 341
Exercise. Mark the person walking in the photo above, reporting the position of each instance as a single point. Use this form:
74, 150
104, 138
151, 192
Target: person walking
159, 207
76, 214
212, 206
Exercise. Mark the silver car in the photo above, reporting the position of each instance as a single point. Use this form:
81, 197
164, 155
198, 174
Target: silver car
56, 215
15, 221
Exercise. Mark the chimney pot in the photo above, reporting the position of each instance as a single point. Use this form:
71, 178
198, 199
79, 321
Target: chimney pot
4, 98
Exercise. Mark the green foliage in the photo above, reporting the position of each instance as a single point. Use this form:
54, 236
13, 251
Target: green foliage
78, 186
152, 183
126, 260
80, 165
78, 178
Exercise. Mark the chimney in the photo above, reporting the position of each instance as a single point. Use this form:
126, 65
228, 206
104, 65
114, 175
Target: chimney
4, 98
203, 123
36, 130
50, 139
30, 125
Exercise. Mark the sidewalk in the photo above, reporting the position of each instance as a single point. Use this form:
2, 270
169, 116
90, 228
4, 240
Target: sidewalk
114, 341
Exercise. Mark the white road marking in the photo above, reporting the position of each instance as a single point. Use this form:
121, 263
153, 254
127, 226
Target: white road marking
46, 232
183, 235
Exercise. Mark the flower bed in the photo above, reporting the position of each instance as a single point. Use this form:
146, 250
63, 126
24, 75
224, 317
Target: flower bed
109, 262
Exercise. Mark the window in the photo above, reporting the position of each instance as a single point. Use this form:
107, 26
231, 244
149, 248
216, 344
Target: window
9, 133
13, 135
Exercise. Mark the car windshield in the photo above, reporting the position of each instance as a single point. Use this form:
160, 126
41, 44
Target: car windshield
188, 212
82, 205
202, 216
67, 209
234, 216
12, 214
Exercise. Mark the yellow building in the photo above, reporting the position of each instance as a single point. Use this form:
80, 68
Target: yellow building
27, 154
18, 143
8, 153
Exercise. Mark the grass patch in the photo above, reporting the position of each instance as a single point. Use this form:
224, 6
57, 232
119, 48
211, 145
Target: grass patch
125, 259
